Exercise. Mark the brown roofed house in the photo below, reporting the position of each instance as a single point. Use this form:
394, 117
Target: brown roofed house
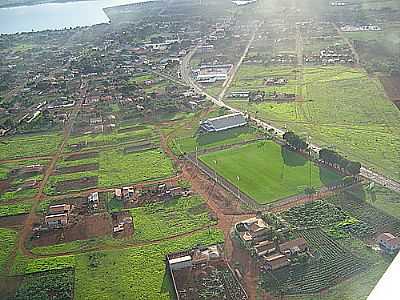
388, 242
275, 261
293, 246
59, 209
264, 247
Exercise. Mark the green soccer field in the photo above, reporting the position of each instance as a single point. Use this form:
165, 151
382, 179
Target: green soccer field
267, 172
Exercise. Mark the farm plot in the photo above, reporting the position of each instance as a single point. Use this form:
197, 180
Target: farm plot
29, 145
355, 204
8, 238
333, 263
214, 139
267, 171
110, 168
15, 209
327, 216
58, 284
343, 107
93, 141
162, 220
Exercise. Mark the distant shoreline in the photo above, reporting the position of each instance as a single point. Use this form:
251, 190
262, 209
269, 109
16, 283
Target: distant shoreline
37, 2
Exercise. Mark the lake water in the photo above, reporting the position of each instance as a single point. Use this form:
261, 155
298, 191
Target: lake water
56, 15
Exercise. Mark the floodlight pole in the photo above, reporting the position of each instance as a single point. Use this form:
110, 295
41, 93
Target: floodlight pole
215, 171
238, 191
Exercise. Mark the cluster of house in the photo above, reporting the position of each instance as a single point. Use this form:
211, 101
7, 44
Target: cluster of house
338, 54
212, 73
388, 242
357, 28
224, 122
275, 81
57, 216
121, 221
272, 255
156, 192
284, 59
271, 96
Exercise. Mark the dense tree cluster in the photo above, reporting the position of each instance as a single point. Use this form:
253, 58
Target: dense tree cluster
334, 159
295, 141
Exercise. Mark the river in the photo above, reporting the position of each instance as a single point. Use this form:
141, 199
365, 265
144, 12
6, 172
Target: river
56, 15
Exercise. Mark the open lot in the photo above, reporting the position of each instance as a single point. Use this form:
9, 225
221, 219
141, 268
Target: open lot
29, 145
162, 220
267, 171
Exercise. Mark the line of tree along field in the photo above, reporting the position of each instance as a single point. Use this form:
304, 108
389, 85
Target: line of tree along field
327, 156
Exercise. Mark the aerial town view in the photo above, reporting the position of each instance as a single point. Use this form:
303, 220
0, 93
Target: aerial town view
199, 149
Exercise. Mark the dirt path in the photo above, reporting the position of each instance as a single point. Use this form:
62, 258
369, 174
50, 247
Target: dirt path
347, 41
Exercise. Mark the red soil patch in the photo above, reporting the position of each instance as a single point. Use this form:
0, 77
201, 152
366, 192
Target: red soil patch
13, 221
78, 168
81, 228
82, 155
392, 88
4, 185
77, 184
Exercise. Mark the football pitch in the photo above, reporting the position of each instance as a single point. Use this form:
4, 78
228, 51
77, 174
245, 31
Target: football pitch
268, 172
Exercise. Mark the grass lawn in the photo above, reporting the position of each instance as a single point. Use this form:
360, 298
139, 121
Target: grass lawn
8, 238
346, 108
267, 171
29, 145
161, 220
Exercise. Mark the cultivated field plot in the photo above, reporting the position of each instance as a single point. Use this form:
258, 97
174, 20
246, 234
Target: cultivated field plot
8, 238
355, 203
344, 107
20, 179
109, 168
130, 134
162, 220
267, 171
22, 207
29, 145
334, 264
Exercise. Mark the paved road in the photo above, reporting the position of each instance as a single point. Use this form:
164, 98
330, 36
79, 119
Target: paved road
186, 75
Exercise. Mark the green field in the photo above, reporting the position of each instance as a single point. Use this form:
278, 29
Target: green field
14, 209
165, 219
29, 145
8, 238
132, 273
346, 108
267, 172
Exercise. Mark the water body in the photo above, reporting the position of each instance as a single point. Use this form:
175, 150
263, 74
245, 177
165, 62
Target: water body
56, 15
